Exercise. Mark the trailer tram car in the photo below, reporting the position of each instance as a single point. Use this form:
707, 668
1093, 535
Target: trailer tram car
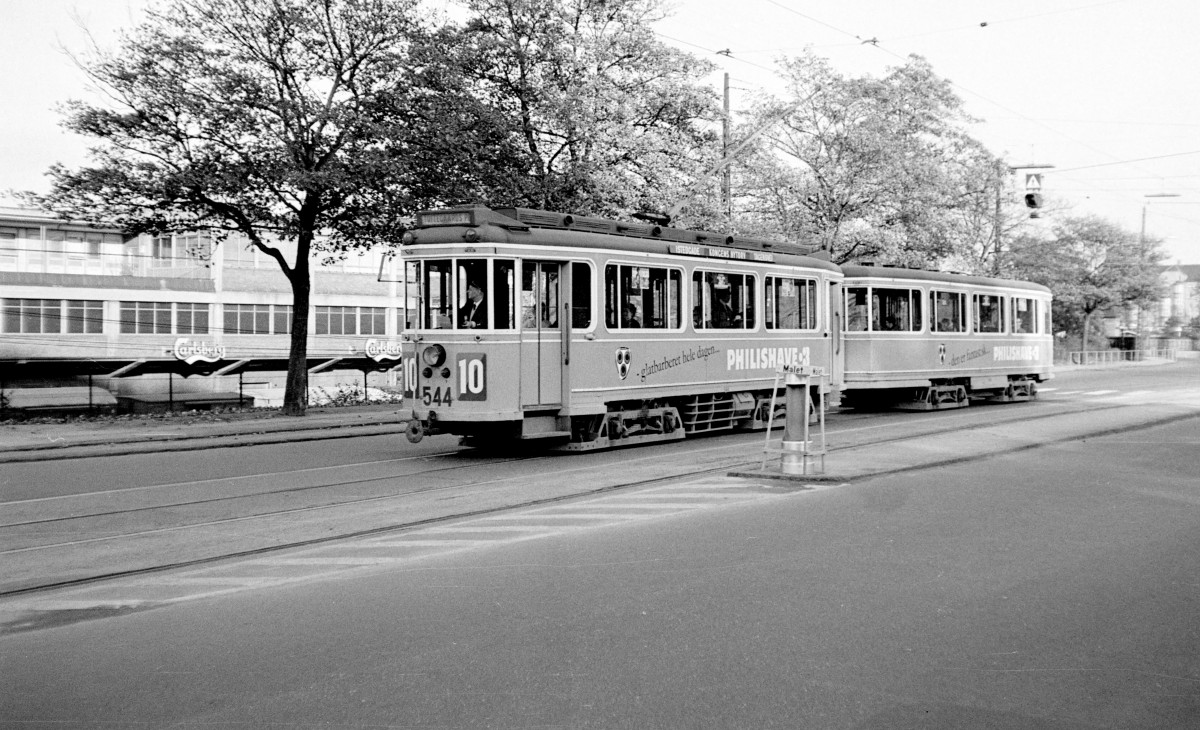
924, 340
589, 333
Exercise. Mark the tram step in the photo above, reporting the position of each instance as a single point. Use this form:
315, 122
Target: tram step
546, 435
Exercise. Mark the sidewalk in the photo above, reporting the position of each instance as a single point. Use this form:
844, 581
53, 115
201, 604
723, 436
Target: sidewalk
73, 438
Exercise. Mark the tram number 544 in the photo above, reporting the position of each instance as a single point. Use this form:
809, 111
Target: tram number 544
471, 372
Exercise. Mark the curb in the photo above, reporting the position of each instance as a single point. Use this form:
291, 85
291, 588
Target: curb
801, 480
119, 446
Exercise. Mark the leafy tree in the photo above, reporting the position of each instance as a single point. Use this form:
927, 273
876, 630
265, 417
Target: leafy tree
872, 168
304, 125
610, 120
1091, 265
1192, 329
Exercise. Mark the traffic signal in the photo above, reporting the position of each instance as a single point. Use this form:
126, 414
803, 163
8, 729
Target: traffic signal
1033, 200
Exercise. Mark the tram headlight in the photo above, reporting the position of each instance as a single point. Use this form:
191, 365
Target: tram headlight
434, 355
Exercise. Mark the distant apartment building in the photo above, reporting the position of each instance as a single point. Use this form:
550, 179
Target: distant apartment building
1181, 303
153, 319
1163, 325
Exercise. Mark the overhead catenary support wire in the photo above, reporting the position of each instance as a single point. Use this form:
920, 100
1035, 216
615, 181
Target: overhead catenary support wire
1130, 162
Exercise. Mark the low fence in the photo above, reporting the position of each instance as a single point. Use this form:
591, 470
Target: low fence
1109, 357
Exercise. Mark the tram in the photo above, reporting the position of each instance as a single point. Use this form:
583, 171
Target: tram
588, 333
924, 340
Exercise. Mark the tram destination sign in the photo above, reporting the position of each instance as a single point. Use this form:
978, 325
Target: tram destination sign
720, 252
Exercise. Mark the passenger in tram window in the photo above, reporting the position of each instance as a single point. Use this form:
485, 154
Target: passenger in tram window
945, 326
724, 317
629, 316
473, 314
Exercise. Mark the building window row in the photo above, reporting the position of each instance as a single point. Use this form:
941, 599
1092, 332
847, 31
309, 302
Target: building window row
71, 316
350, 321
52, 316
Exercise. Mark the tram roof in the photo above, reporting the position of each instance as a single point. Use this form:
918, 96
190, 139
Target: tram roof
513, 225
863, 271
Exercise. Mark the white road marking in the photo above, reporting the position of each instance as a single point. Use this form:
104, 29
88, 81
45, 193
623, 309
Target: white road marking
325, 561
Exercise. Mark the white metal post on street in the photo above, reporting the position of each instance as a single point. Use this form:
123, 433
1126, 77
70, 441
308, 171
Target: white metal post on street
797, 447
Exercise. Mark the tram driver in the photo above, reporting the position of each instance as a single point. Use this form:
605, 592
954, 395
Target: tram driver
473, 314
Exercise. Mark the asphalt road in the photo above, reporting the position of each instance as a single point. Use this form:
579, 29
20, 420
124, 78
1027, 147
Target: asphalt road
1047, 588
109, 516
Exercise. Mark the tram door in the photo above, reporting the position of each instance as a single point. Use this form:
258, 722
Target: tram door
834, 315
541, 333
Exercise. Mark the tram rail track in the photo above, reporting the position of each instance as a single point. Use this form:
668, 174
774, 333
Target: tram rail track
942, 424
329, 485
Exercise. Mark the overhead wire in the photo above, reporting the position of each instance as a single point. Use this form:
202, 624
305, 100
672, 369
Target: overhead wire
879, 45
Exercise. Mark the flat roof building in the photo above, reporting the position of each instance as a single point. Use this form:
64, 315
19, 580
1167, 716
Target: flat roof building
87, 305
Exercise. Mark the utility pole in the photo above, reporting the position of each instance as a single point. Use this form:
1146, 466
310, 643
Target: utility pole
727, 176
998, 222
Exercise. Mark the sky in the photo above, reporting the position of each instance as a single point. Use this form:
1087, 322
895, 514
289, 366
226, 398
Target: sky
1106, 92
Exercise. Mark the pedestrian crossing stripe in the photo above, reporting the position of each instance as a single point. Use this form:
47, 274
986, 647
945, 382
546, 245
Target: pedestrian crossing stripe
326, 561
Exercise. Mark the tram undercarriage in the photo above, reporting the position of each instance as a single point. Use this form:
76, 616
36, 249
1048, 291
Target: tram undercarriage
627, 423
941, 395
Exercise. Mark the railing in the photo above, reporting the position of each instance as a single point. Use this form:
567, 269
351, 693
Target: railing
105, 263
1110, 357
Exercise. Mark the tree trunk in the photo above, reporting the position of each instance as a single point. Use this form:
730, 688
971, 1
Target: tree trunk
295, 392
1087, 324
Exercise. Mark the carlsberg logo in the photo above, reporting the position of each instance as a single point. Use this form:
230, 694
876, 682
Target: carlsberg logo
377, 350
193, 351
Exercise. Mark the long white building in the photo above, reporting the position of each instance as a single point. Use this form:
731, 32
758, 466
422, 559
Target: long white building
175, 319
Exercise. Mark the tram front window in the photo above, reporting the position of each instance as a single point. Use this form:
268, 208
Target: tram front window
436, 296
467, 294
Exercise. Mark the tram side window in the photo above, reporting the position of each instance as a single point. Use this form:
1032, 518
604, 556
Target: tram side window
791, 304
1024, 316
988, 312
947, 311
856, 309
895, 310
501, 296
723, 300
581, 295
539, 295
642, 297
